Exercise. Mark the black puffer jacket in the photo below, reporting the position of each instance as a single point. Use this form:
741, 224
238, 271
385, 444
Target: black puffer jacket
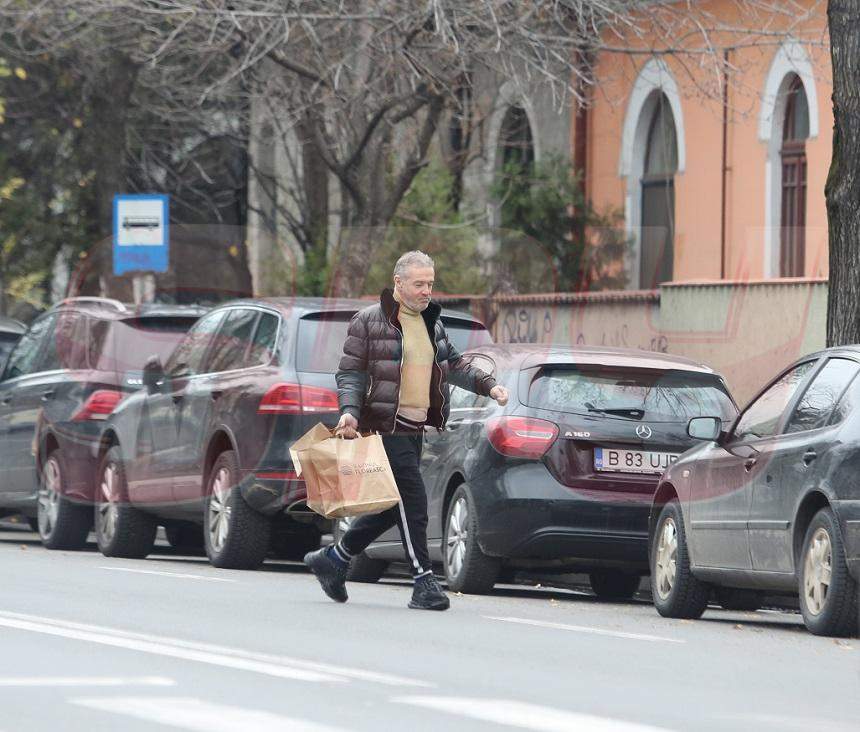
368, 379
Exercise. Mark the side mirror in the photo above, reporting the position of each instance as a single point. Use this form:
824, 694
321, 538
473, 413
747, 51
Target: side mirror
153, 373
705, 428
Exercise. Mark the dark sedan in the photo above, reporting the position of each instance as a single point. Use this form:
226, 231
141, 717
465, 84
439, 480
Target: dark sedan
562, 478
207, 440
771, 504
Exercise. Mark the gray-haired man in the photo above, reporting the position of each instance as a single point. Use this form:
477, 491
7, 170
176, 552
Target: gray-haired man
393, 378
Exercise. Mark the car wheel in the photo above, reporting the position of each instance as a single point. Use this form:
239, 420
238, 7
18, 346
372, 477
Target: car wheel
236, 536
676, 592
828, 593
185, 537
467, 568
614, 584
62, 524
362, 568
121, 529
292, 540
731, 598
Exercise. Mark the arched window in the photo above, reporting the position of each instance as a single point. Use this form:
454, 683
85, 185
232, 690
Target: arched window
515, 139
658, 195
795, 130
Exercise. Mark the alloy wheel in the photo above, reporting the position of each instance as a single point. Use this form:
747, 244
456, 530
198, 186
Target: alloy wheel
458, 536
108, 508
817, 571
220, 509
49, 497
667, 558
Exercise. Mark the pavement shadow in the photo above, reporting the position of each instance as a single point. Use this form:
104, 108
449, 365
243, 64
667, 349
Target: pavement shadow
786, 623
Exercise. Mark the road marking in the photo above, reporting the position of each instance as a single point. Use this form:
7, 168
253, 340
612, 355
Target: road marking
195, 714
586, 629
116, 637
522, 715
177, 575
85, 681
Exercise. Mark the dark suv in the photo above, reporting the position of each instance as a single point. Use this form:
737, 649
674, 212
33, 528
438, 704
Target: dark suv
208, 439
65, 375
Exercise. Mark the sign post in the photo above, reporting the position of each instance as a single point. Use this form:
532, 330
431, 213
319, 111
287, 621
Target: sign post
141, 233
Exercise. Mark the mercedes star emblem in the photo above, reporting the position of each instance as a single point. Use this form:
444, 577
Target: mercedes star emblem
644, 431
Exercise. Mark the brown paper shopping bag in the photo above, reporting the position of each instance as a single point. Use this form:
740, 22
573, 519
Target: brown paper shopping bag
344, 477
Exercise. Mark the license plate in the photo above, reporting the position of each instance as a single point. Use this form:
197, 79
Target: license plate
632, 461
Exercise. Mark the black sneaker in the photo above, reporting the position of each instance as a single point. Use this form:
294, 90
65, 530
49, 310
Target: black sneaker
330, 575
428, 595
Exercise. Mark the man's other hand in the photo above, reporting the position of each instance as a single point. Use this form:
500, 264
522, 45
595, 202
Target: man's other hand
500, 394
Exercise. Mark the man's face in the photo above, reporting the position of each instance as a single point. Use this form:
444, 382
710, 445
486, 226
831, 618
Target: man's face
415, 287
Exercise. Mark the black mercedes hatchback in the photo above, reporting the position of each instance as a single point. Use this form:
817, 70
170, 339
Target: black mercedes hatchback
771, 504
206, 442
562, 478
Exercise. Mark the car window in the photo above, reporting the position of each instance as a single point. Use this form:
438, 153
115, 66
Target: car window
125, 345
814, 408
66, 347
631, 393
263, 344
24, 357
849, 401
761, 418
461, 398
7, 343
187, 358
465, 335
320, 342
230, 344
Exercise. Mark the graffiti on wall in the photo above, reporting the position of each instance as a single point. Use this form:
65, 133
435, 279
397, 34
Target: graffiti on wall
536, 325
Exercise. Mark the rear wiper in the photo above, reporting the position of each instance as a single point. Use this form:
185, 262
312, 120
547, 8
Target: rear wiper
629, 412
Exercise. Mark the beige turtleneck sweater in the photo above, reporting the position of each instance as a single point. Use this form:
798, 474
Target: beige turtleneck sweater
417, 366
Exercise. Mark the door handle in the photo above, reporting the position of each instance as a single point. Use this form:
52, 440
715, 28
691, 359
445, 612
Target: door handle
47, 395
809, 457
177, 398
6, 400
749, 464
451, 426
216, 394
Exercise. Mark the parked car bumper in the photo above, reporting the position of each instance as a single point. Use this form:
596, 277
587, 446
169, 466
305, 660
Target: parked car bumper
848, 514
524, 513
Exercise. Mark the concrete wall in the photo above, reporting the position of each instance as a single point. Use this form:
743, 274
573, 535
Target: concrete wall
745, 330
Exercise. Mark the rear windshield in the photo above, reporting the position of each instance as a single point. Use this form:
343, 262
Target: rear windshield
125, 345
634, 394
321, 338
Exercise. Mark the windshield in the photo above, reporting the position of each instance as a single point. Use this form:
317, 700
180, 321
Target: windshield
635, 394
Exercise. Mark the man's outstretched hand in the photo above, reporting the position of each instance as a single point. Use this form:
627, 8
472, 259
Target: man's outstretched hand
500, 394
347, 427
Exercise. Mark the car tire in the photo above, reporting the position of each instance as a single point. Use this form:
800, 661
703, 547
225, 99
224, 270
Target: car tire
121, 529
62, 524
235, 535
361, 568
33, 523
732, 598
467, 568
614, 584
828, 592
185, 537
291, 540
676, 592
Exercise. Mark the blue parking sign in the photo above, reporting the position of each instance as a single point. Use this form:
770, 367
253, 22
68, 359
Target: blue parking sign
141, 233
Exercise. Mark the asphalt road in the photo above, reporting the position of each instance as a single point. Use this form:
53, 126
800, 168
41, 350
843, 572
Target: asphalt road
90, 643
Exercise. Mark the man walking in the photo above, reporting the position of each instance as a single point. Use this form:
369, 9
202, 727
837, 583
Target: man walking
393, 378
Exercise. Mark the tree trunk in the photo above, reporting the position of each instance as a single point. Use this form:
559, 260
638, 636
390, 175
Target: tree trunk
843, 182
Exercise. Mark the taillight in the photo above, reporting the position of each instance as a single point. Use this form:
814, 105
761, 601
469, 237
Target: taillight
523, 437
99, 405
298, 399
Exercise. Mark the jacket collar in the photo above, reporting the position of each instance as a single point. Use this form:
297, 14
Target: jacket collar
391, 308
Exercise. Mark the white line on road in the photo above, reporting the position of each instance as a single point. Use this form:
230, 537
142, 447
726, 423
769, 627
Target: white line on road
522, 715
85, 681
195, 714
117, 637
586, 629
177, 575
